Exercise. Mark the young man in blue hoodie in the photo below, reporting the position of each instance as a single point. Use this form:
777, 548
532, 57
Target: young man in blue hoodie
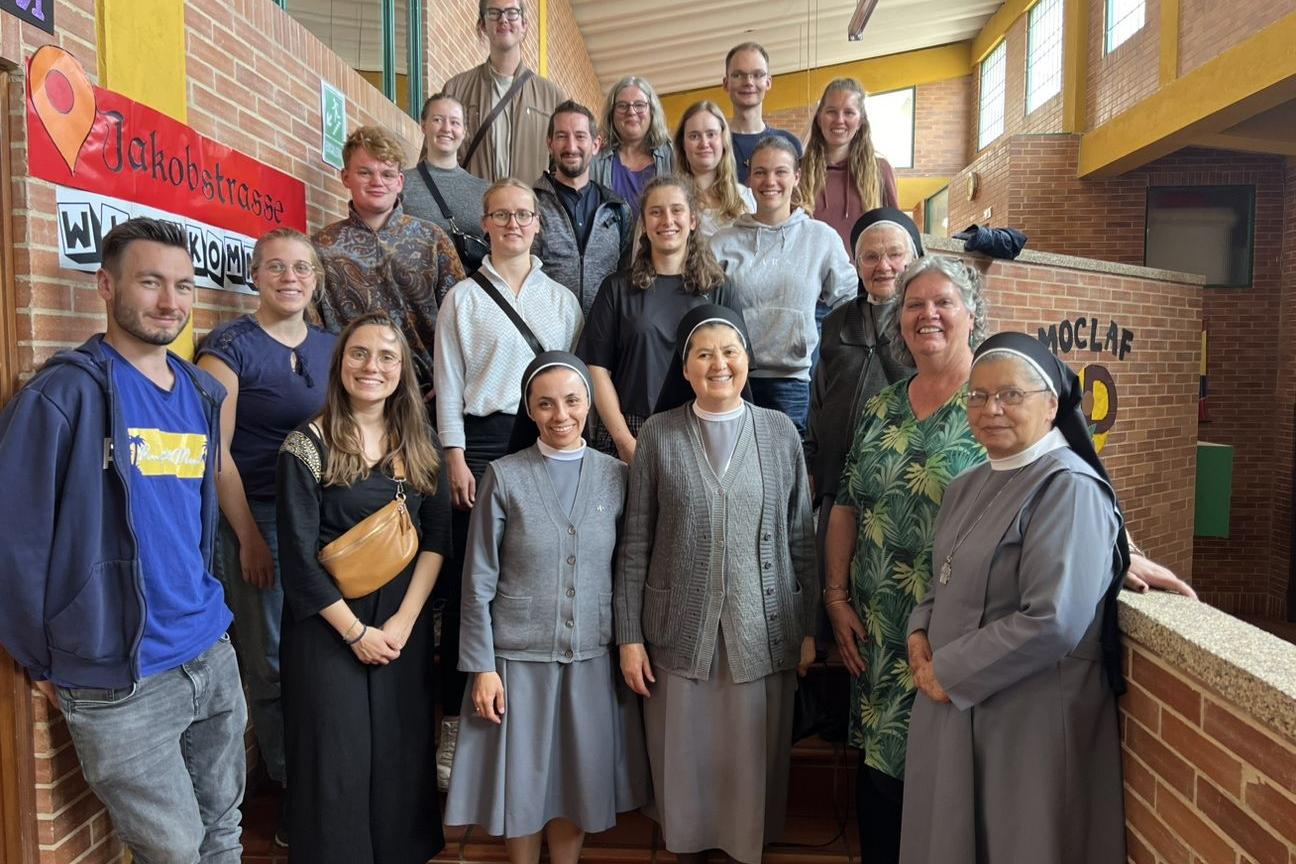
108, 456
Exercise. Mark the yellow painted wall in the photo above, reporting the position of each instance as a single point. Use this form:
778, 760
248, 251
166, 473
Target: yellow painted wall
142, 56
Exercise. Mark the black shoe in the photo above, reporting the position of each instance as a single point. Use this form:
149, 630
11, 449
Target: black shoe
281, 833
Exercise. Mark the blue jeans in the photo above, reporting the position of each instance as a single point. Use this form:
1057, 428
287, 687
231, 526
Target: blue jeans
257, 613
166, 758
789, 395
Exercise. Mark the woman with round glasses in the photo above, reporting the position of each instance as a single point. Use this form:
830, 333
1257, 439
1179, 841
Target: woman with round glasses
357, 700
638, 147
704, 153
480, 355
274, 365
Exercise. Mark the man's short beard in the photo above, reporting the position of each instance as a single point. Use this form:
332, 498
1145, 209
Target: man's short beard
569, 173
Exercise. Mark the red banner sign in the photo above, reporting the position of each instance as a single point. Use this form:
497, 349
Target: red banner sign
84, 137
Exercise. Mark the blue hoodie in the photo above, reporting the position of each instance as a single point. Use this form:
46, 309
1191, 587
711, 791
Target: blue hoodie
73, 608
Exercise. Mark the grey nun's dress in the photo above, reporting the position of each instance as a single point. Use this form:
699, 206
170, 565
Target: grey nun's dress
537, 609
723, 630
1023, 765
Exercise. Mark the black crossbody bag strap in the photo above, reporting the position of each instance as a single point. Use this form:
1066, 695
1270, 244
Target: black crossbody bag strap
493, 293
494, 112
436, 193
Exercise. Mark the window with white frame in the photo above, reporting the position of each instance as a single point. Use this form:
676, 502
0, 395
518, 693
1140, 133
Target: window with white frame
891, 124
991, 109
1124, 19
1043, 53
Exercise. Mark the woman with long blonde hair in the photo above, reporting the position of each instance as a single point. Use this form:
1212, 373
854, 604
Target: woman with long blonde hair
842, 176
704, 155
356, 686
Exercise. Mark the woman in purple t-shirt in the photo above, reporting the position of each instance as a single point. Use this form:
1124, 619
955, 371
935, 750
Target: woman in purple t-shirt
275, 366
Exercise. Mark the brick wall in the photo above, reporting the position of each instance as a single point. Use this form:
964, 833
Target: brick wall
1205, 780
1119, 80
1207, 28
1284, 407
1153, 442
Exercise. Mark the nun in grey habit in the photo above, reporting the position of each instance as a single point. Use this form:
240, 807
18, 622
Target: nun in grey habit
1013, 751
550, 739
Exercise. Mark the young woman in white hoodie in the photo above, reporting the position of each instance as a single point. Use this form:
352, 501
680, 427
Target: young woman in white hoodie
783, 267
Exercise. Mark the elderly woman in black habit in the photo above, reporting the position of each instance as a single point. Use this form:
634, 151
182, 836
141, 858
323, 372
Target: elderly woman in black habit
551, 741
715, 600
855, 361
1014, 753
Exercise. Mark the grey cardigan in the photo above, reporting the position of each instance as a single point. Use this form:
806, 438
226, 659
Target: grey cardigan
536, 585
670, 587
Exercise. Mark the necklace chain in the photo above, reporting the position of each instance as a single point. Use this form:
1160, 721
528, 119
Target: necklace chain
947, 568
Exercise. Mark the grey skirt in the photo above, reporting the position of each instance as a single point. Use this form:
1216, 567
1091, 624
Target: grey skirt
571, 746
720, 754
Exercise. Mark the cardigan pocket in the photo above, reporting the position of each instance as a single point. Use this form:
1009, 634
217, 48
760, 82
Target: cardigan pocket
511, 622
656, 615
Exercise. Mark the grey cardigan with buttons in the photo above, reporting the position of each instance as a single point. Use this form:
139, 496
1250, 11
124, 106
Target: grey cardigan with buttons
676, 549
537, 585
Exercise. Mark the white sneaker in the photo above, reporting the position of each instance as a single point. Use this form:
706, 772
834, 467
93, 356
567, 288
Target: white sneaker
446, 750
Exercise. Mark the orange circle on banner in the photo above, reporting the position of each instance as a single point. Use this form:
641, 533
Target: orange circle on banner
64, 100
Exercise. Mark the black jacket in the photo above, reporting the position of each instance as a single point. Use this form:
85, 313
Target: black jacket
855, 365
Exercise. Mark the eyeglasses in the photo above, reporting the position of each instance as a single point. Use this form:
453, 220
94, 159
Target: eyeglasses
387, 176
1009, 397
387, 360
510, 13
740, 77
630, 107
279, 268
502, 217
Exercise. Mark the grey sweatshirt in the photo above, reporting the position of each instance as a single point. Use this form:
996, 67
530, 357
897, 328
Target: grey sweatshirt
462, 192
776, 276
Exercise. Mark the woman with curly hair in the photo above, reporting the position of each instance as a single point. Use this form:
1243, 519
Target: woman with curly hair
842, 176
630, 335
704, 154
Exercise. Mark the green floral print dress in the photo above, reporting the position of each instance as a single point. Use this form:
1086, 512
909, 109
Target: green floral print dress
895, 476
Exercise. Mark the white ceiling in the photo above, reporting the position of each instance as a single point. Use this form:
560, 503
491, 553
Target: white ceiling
680, 44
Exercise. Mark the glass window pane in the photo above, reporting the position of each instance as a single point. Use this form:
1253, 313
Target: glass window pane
936, 214
1202, 229
1043, 53
991, 113
1124, 19
353, 30
891, 122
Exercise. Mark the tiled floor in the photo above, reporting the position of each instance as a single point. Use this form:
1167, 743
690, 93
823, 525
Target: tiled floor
819, 829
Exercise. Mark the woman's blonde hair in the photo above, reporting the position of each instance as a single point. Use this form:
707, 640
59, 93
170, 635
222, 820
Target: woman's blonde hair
408, 432
657, 134
729, 204
861, 159
702, 273
502, 184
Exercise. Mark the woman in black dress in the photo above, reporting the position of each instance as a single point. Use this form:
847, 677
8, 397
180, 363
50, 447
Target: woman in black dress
357, 703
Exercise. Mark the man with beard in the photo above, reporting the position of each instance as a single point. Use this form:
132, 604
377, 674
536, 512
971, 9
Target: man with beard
108, 456
586, 228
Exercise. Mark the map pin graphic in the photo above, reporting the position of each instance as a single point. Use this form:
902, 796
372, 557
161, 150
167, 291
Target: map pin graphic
64, 100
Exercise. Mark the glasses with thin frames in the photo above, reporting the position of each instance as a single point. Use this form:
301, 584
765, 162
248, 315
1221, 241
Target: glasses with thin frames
631, 107
387, 360
502, 217
387, 176
1009, 397
276, 267
509, 13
